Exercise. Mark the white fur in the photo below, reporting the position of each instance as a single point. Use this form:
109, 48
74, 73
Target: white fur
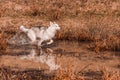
45, 58
30, 33
42, 33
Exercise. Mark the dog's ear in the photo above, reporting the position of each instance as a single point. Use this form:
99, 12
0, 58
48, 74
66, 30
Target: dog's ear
51, 23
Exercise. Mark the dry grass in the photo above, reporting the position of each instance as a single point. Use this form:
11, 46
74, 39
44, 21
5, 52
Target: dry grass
83, 20
96, 21
3, 42
104, 36
110, 75
103, 33
68, 74
57, 9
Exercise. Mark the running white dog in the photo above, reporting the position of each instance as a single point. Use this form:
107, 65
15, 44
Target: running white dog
44, 34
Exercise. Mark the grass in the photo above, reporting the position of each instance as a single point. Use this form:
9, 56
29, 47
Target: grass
110, 75
97, 22
2, 41
7, 74
93, 21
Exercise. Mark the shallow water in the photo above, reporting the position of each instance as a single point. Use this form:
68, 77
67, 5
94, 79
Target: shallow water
59, 55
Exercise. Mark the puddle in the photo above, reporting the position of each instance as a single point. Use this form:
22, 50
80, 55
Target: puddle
71, 55
46, 58
59, 55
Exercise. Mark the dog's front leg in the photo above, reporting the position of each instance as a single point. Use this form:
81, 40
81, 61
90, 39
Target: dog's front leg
50, 42
40, 42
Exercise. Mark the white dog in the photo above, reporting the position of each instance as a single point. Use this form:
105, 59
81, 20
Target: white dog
44, 34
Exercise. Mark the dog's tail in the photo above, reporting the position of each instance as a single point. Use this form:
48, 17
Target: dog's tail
23, 29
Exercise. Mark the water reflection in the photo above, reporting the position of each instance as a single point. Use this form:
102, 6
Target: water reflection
44, 57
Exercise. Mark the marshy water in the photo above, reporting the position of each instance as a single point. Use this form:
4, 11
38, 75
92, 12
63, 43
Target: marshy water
72, 56
59, 55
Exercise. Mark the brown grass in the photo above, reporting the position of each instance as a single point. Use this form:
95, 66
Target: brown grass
67, 75
81, 20
96, 21
57, 9
7, 73
110, 75
3, 42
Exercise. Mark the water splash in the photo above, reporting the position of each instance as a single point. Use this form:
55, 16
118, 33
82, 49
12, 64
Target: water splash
19, 39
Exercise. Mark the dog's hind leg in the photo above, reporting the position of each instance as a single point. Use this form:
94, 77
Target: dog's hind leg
50, 42
31, 35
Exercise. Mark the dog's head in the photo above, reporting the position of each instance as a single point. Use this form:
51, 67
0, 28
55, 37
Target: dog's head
22, 27
55, 25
